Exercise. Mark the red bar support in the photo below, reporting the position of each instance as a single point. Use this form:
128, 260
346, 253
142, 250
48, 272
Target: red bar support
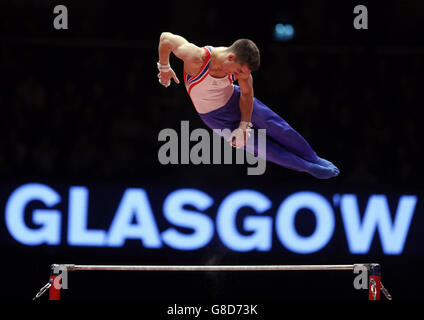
54, 290
374, 282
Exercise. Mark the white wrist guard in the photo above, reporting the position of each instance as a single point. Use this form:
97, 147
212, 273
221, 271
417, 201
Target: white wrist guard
245, 125
163, 67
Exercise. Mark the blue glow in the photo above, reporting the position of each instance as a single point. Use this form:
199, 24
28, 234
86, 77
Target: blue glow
283, 32
285, 222
175, 213
261, 239
48, 219
377, 216
77, 224
134, 204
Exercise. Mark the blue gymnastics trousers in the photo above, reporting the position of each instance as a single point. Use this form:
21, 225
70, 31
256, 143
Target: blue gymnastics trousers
284, 145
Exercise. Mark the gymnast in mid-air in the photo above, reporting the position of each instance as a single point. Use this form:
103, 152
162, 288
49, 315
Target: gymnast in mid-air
209, 75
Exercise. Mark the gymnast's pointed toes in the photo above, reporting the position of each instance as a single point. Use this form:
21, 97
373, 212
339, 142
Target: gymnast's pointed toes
323, 172
336, 172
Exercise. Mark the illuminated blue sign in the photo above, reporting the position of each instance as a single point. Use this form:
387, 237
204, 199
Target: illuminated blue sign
134, 219
48, 219
324, 217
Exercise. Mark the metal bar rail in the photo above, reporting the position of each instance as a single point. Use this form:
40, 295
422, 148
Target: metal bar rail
59, 272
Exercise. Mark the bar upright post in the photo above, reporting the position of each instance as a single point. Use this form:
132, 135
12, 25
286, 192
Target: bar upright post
374, 281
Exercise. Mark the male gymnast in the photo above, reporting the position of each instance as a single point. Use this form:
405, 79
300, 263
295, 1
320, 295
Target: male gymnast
209, 73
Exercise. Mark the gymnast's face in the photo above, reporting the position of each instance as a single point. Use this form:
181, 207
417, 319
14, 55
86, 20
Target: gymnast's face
231, 65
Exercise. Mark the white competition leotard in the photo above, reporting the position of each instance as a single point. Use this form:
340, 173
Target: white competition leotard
206, 92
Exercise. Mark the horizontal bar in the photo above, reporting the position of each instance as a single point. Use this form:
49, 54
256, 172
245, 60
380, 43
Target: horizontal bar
76, 267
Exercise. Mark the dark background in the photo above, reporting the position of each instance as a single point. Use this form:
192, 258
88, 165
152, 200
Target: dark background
83, 106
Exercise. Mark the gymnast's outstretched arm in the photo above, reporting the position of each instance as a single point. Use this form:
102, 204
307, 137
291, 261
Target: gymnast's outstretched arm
239, 136
191, 54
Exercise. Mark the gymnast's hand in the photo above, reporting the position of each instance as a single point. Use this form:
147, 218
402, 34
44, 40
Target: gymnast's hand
238, 137
166, 74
